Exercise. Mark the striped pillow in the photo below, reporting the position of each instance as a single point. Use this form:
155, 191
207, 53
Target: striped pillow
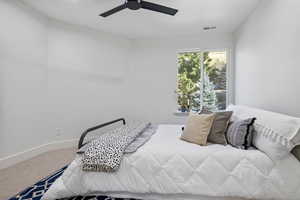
239, 133
271, 143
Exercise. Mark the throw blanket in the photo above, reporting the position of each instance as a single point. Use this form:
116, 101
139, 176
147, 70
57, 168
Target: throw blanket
105, 153
141, 139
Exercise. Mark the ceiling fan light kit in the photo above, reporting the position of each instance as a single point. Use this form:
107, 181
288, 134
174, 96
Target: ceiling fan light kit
138, 4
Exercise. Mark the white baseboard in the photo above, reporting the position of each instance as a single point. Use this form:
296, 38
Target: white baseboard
25, 155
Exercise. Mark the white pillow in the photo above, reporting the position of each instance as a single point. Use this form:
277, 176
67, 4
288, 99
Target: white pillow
277, 147
275, 134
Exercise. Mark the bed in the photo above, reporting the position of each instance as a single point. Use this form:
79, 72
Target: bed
167, 168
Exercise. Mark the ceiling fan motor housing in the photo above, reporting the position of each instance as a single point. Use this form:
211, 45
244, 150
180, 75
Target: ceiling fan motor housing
133, 4
138, 4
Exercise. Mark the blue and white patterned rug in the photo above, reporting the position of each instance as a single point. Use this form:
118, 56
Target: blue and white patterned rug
36, 191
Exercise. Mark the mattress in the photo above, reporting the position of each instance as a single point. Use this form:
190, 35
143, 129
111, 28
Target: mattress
169, 168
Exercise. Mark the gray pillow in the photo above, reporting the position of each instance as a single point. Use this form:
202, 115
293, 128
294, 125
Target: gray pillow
219, 127
296, 152
240, 133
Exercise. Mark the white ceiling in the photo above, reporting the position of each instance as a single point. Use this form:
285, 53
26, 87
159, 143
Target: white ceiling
193, 15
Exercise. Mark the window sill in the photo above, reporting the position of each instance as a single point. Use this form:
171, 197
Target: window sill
181, 114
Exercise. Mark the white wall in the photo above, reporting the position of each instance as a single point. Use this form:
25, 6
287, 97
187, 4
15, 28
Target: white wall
56, 79
267, 58
86, 78
154, 71
23, 55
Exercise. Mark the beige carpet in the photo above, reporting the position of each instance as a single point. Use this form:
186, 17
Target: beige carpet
18, 177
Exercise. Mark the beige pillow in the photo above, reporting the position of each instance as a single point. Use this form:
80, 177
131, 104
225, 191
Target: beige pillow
197, 128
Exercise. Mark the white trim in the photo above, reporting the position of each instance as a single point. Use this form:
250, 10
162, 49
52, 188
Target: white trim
25, 155
191, 50
230, 77
202, 79
181, 114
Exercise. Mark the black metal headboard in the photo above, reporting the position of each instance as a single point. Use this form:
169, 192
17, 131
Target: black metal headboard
80, 143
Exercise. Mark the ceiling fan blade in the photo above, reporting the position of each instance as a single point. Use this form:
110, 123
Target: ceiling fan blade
114, 10
158, 8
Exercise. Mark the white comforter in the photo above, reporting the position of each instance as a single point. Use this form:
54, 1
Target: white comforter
169, 167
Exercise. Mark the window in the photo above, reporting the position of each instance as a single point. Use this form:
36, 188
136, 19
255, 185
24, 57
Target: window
202, 81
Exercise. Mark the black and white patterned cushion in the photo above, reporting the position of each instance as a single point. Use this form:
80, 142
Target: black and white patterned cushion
240, 133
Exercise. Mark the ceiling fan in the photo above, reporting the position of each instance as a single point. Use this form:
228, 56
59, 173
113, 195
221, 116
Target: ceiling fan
137, 4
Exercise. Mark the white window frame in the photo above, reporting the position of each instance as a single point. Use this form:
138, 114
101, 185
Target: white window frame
229, 71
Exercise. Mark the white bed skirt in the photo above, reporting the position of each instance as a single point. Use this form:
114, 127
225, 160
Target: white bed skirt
167, 196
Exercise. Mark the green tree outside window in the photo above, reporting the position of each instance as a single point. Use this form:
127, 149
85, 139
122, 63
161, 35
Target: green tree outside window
195, 92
